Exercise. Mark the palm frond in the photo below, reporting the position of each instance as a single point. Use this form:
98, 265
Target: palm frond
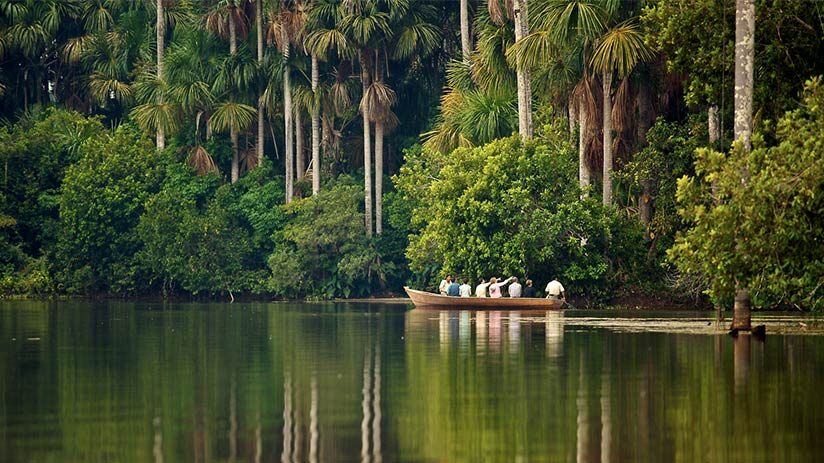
75, 48
488, 116
103, 88
620, 49
151, 116
377, 99
415, 40
322, 42
201, 161
231, 115
459, 76
570, 20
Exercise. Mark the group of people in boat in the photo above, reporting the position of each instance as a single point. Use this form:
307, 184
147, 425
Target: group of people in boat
494, 288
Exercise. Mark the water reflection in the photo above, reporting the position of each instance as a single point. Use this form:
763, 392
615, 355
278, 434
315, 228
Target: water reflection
554, 333
372, 383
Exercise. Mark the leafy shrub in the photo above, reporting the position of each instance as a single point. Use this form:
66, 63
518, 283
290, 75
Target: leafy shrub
322, 250
102, 198
756, 217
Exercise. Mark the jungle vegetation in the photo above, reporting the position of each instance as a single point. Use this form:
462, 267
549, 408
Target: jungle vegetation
337, 148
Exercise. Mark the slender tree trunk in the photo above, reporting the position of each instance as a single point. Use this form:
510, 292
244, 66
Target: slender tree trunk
466, 38
573, 117
260, 129
522, 74
300, 152
744, 64
607, 90
233, 135
378, 160
378, 177
161, 44
583, 166
315, 128
713, 125
289, 156
367, 148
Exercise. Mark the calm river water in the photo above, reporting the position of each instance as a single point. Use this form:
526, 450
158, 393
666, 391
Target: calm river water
116, 382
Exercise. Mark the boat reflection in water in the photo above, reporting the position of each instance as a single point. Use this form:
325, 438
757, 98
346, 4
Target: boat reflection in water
489, 331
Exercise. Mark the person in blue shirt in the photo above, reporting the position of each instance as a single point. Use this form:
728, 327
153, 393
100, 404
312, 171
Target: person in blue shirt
454, 289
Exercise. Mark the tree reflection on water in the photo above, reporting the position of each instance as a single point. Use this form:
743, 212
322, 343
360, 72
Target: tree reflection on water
344, 382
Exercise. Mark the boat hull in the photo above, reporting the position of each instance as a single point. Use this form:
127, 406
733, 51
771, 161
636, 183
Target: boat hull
430, 300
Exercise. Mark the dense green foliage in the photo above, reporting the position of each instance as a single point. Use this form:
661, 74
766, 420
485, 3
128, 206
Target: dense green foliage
513, 208
322, 251
103, 196
756, 218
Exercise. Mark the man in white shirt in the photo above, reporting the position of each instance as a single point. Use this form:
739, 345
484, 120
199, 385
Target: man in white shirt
515, 288
555, 290
465, 289
480, 290
444, 285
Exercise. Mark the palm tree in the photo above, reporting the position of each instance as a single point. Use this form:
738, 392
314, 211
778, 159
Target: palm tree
567, 28
365, 23
618, 50
324, 36
413, 37
479, 104
517, 10
285, 26
742, 126
230, 21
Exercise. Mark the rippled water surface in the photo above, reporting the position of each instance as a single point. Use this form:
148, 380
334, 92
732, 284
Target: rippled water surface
112, 382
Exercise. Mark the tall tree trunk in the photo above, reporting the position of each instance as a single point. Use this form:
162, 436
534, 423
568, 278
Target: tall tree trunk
289, 156
161, 45
466, 39
522, 74
367, 148
583, 165
378, 177
378, 160
315, 128
233, 135
300, 154
744, 64
260, 129
607, 90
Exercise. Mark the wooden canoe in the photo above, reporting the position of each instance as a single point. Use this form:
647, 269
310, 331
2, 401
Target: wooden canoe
431, 300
